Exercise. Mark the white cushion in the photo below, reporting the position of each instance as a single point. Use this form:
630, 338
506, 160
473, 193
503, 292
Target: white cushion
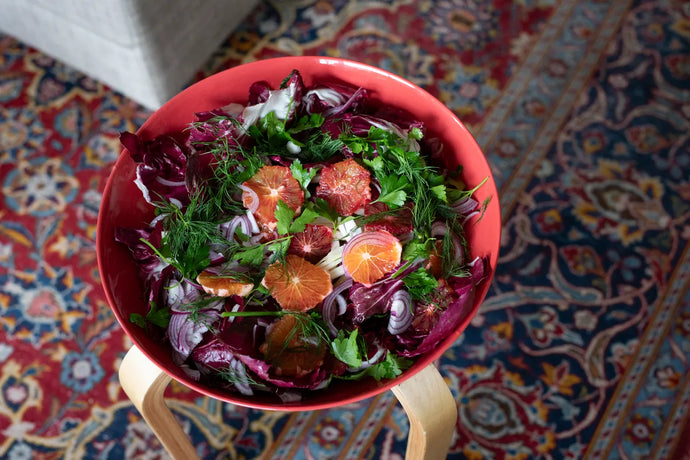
148, 50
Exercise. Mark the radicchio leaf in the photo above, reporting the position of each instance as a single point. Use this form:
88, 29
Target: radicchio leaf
372, 300
377, 298
150, 265
161, 165
284, 102
464, 292
310, 381
333, 100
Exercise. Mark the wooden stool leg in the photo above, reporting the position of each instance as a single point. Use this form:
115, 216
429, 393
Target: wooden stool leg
431, 408
144, 383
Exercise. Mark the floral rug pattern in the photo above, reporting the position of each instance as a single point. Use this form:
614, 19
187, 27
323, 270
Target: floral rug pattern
582, 347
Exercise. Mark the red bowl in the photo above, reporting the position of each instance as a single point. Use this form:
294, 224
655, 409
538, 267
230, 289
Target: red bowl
123, 204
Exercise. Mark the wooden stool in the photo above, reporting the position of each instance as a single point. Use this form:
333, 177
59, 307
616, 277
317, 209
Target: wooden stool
426, 398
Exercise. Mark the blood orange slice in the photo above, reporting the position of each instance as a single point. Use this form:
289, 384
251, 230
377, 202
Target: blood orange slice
370, 255
427, 314
345, 186
435, 262
398, 222
267, 186
223, 285
297, 285
291, 349
313, 243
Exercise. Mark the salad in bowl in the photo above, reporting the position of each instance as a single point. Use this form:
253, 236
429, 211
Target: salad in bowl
301, 239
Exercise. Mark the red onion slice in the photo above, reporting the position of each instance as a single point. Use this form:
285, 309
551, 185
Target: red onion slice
439, 229
465, 205
330, 306
171, 183
185, 334
401, 312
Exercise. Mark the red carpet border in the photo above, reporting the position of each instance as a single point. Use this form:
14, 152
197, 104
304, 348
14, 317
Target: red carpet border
582, 347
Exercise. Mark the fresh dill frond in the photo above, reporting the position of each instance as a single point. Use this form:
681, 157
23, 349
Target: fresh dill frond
321, 147
196, 306
230, 171
313, 325
449, 262
187, 235
232, 376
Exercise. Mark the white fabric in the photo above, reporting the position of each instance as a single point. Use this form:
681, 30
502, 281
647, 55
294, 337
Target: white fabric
148, 50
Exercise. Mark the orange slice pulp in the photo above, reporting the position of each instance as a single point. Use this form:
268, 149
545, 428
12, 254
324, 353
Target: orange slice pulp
313, 243
223, 285
290, 349
297, 285
370, 255
272, 183
345, 186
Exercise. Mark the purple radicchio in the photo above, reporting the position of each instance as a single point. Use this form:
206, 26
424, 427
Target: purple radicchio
414, 344
377, 298
333, 100
284, 102
213, 354
210, 127
150, 265
161, 165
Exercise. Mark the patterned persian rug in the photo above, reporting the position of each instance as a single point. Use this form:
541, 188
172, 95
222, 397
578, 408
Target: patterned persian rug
582, 347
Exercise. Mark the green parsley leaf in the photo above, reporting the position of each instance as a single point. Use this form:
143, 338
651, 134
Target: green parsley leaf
253, 255
315, 120
137, 319
284, 215
241, 235
420, 283
323, 209
300, 223
346, 349
415, 133
393, 190
155, 316
376, 164
440, 192
389, 368
418, 248
303, 176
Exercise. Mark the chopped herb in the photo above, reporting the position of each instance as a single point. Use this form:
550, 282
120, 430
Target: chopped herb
157, 316
284, 215
346, 348
389, 368
303, 176
300, 223
419, 283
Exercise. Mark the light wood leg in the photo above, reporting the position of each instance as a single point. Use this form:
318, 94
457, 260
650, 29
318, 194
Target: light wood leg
431, 408
144, 383
426, 399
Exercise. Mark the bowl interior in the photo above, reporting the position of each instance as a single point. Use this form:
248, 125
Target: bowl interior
123, 205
